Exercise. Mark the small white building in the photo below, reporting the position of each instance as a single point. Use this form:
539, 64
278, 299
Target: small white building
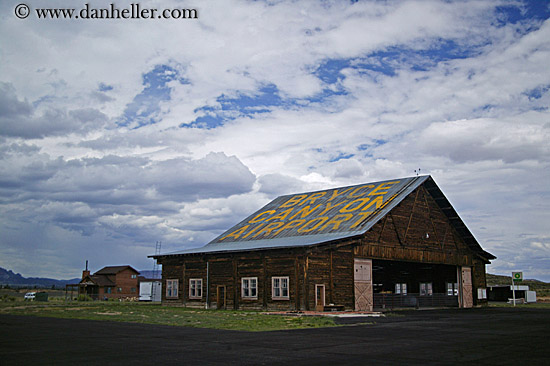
150, 290
505, 293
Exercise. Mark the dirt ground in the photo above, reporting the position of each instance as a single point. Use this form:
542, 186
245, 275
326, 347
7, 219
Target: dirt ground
489, 336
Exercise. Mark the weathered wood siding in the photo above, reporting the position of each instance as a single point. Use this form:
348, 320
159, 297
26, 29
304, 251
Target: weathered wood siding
415, 230
479, 279
172, 270
329, 266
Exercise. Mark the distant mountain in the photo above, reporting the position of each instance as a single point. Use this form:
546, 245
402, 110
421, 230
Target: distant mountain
7, 277
149, 274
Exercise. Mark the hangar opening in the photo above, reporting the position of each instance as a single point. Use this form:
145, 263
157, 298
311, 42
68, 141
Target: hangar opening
407, 284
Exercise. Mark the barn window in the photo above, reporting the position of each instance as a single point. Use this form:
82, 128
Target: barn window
134, 276
452, 289
401, 288
426, 289
279, 288
119, 289
171, 288
482, 293
195, 288
133, 289
249, 287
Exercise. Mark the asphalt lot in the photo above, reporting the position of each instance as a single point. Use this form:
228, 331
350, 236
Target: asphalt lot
491, 336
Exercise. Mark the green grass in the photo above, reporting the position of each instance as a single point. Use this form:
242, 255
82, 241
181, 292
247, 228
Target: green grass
167, 315
536, 305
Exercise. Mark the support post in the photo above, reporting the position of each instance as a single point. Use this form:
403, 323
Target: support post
207, 284
513, 291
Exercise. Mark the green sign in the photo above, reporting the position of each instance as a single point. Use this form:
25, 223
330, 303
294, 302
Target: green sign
517, 276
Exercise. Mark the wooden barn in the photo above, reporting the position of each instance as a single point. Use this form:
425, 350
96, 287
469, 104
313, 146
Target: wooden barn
389, 244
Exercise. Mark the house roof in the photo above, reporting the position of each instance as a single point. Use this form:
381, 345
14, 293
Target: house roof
98, 280
312, 218
113, 270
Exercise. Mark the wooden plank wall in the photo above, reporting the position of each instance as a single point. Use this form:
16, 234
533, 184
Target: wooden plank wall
479, 280
415, 230
330, 266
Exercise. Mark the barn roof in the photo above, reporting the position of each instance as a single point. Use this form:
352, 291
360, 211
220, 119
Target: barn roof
312, 218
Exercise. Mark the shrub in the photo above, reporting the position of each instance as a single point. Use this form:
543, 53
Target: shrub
83, 297
9, 298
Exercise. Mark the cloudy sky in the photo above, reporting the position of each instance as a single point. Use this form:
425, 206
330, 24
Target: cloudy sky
116, 134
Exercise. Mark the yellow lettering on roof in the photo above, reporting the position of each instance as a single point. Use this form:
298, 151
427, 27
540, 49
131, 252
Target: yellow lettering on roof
321, 221
378, 201
355, 205
336, 194
304, 212
354, 193
381, 186
336, 221
290, 225
313, 197
281, 216
258, 217
235, 234
269, 228
293, 201
330, 206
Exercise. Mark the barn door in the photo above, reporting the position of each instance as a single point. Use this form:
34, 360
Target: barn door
319, 297
363, 284
220, 297
466, 294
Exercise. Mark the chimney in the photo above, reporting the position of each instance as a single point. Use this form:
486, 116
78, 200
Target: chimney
85, 272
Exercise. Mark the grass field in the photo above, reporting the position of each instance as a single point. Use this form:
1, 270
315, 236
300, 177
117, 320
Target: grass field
158, 314
536, 305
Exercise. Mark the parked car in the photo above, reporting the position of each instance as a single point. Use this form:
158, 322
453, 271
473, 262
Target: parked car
29, 296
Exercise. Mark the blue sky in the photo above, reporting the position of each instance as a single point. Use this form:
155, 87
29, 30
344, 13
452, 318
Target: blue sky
116, 134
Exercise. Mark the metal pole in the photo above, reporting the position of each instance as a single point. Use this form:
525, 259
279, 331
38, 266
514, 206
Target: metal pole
513, 291
207, 283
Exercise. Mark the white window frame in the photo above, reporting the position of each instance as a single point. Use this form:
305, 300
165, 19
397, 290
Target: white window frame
426, 289
172, 288
195, 288
278, 290
482, 294
401, 288
249, 288
452, 288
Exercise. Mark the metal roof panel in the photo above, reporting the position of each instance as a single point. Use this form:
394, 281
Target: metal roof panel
312, 218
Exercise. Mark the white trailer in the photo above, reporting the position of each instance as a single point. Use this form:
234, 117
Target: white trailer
150, 290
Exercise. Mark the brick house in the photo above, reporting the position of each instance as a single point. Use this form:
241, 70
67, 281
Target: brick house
112, 282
